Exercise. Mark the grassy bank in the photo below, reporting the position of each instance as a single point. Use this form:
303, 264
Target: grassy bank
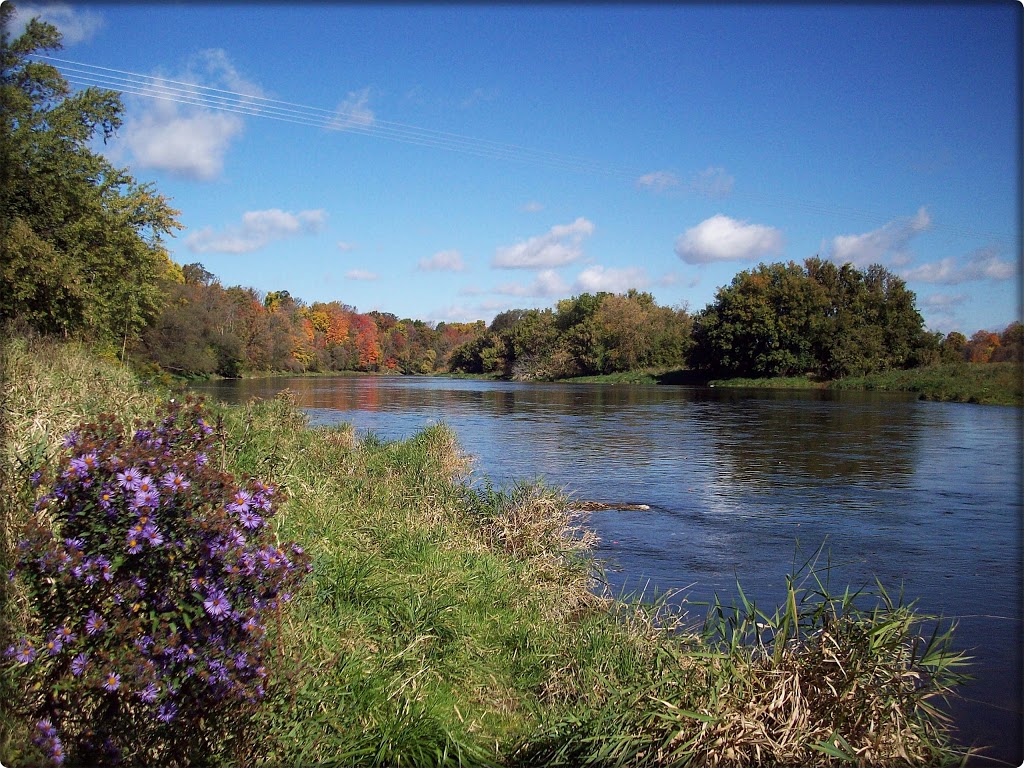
450, 623
986, 383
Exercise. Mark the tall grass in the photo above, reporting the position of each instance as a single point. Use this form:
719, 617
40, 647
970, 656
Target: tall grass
448, 622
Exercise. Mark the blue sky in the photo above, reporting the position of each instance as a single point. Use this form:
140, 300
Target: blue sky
448, 162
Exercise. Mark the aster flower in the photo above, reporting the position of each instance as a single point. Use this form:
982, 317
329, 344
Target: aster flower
152, 535
46, 729
145, 484
106, 497
79, 663
112, 681
240, 501
201, 459
149, 693
65, 634
129, 479
216, 603
54, 645
143, 499
167, 712
94, 623
104, 566
250, 520
175, 481
133, 542
70, 439
25, 652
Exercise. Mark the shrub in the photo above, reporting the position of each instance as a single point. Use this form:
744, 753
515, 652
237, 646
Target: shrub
152, 576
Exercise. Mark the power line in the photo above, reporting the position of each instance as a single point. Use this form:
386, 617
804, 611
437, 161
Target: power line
237, 102
193, 94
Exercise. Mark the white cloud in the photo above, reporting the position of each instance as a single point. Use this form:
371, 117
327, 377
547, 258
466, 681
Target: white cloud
189, 145
561, 245
75, 25
982, 264
598, 278
658, 181
360, 274
888, 243
354, 111
942, 302
258, 229
443, 261
533, 207
712, 182
345, 247
183, 139
547, 283
721, 238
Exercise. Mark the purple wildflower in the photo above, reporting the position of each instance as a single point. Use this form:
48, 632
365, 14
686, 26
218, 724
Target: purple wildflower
201, 459
150, 498
167, 712
133, 541
112, 681
129, 479
94, 623
106, 497
70, 439
46, 729
250, 520
65, 634
216, 603
152, 535
104, 565
54, 645
78, 664
145, 485
175, 481
149, 693
240, 501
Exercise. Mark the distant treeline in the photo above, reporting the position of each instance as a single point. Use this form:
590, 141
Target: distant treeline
82, 254
204, 328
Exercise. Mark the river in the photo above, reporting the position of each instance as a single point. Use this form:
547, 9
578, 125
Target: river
744, 485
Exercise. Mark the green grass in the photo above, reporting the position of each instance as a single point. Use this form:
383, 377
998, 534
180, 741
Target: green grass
455, 624
771, 382
986, 383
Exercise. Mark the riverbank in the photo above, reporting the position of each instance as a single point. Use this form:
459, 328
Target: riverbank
454, 624
981, 383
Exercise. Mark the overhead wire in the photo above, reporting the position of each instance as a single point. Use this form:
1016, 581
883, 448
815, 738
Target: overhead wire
193, 94
186, 93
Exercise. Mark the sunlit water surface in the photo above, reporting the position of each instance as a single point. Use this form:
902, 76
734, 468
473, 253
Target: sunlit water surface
745, 485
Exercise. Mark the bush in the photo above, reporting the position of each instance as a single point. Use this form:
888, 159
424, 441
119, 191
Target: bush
151, 576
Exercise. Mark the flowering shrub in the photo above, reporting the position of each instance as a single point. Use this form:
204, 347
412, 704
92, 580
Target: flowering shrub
152, 577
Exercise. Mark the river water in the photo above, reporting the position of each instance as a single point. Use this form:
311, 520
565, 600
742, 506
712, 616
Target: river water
745, 485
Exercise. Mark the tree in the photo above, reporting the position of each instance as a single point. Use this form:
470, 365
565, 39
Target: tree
81, 243
784, 319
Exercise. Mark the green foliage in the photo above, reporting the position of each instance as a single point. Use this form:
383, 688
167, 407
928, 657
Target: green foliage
587, 335
80, 241
784, 320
